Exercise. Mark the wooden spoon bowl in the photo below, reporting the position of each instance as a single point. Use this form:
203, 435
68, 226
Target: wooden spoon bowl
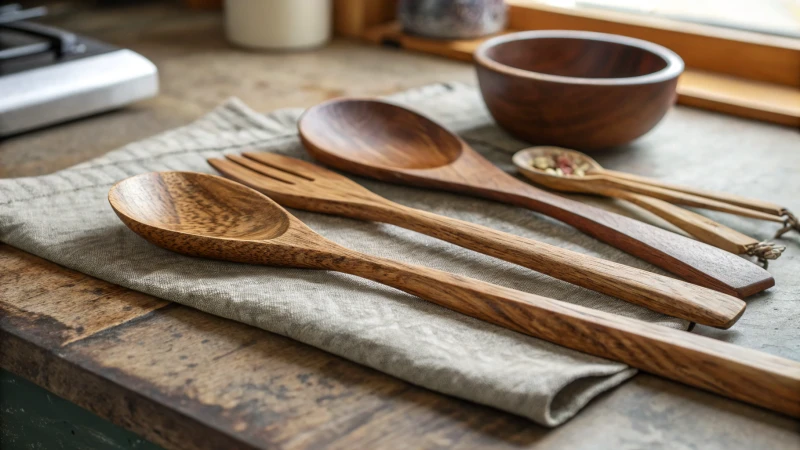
381, 134
199, 215
576, 89
143, 198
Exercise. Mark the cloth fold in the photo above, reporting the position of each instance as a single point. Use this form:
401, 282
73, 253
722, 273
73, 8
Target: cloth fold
65, 217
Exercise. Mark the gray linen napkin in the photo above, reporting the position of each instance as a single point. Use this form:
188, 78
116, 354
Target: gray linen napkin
65, 217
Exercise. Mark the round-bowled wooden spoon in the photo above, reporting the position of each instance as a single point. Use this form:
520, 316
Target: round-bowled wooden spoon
298, 184
596, 181
390, 143
209, 216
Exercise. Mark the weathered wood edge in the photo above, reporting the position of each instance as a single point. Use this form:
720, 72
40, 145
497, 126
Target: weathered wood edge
109, 394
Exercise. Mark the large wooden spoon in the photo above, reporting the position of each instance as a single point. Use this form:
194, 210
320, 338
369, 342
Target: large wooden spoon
209, 216
391, 143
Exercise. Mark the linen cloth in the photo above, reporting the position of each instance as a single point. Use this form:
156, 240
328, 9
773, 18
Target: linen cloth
65, 217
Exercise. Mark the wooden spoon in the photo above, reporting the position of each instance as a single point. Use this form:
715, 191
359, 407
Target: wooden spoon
600, 178
391, 143
689, 196
208, 216
298, 184
654, 199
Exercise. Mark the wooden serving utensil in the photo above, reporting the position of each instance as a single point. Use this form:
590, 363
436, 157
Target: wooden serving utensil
597, 181
209, 216
700, 198
298, 184
388, 142
680, 195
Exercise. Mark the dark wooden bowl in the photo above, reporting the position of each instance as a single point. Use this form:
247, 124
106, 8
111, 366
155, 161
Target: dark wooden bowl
576, 89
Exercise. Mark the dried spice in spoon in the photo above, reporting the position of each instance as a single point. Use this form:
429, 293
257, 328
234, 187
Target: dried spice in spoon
561, 164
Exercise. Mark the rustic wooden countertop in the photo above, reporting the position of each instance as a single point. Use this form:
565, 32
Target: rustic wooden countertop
185, 379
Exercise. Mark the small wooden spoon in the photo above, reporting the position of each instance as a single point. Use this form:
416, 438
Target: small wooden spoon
655, 199
391, 143
681, 195
209, 216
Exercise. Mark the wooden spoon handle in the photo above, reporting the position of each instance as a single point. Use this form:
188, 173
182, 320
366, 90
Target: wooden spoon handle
682, 198
692, 260
716, 366
657, 292
744, 202
698, 226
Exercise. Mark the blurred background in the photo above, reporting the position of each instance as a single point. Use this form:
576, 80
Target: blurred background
169, 61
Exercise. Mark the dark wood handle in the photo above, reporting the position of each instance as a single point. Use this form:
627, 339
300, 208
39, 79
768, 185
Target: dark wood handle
744, 202
726, 369
663, 294
698, 226
691, 260
682, 198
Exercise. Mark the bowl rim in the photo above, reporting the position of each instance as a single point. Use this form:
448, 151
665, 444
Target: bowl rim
672, 70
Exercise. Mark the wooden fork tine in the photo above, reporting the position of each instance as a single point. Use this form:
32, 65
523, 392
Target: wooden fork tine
266, 170
294, 166
248, 177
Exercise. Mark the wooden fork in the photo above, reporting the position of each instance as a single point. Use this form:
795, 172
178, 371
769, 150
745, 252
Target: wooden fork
302, 185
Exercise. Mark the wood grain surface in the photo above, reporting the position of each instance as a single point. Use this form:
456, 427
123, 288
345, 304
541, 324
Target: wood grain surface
187, 380
576, 89
682, 198
168, 374
701, 227
738, 200
388, 142
297, 184
758, 100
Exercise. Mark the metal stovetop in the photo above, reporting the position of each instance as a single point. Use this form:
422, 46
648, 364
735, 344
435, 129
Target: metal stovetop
49, 75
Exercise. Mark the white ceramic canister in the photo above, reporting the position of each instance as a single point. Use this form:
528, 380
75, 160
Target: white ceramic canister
278, 24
